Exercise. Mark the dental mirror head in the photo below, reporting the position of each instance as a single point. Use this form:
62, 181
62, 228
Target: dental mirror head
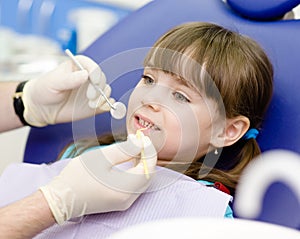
118, 111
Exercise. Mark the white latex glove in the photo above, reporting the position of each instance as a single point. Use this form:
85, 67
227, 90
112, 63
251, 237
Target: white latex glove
90, 184
65, 94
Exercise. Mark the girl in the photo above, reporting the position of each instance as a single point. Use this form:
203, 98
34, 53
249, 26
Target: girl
201, 100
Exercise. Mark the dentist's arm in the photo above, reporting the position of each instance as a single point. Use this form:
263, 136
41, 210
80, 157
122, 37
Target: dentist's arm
26, 218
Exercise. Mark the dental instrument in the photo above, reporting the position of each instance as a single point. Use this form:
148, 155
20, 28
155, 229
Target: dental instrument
118, 109
139, 135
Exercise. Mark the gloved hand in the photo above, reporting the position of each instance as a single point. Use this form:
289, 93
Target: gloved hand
90, 183
65, 94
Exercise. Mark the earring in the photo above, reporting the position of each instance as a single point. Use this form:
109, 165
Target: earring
216, 152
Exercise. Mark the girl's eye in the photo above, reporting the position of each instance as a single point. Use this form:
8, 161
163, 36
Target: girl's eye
148, 80
180, 97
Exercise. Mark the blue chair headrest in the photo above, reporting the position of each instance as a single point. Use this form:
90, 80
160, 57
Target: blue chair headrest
263, 10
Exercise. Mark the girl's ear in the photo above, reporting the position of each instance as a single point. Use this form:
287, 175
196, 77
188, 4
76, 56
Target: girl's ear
234, 130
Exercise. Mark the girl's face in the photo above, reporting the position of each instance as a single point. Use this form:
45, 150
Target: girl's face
178, 119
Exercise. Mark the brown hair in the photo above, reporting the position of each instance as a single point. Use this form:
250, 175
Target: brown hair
242, 74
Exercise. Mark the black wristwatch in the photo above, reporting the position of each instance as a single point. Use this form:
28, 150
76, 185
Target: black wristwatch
18, 102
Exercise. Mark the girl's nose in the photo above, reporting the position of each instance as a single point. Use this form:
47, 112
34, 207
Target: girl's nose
155, 97
155, 106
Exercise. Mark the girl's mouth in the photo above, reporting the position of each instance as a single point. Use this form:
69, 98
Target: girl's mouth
143, 122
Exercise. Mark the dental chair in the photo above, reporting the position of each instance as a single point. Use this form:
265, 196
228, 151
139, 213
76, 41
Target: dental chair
279, 38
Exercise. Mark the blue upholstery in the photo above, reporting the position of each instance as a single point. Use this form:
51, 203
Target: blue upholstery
280, 206
263, 10
280, 39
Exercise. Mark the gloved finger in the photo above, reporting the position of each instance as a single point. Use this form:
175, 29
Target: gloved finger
92, 93
124, 151
133, 181
96, 75
100, 164
72, 81
102, 106
63, 78
138, 178
147, 164
100, 101
150, 153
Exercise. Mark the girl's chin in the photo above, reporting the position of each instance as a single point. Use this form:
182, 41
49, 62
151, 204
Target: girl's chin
169, 162
162, 163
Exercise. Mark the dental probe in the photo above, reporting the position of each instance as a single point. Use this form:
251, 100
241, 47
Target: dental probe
118, 109
139, 136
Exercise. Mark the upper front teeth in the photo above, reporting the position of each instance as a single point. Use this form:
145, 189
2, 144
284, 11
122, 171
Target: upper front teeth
146, 124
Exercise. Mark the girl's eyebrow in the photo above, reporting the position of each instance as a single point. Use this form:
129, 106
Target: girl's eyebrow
181, 81
187, 84
178, 79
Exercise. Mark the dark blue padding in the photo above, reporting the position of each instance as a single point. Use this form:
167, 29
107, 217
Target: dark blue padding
263, 9
280, 39
281, 206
